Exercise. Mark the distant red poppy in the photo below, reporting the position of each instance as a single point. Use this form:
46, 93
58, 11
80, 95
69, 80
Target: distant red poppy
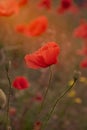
37, 125
64, 5
22, 2
38, 97
67, 5
83, 64
8, 8
35, 28
45, 3
44, 57
81, 31
20, 82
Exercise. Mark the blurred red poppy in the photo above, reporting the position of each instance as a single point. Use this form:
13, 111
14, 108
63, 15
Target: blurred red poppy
64, 5
39, 97
83, 64
22, 2
37, 125
35, 28
8, 8
67, 5
45, 3
81, 31
20, 82
44, 57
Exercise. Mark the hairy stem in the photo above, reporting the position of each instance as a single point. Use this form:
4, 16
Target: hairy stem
49, 84
58, 100
8, 100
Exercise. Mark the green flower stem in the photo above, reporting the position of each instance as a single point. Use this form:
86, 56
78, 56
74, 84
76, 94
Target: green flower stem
58, 100
8, 101
49, 84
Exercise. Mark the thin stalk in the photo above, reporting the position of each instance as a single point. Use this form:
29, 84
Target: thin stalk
49, 84
8, 100
58, 100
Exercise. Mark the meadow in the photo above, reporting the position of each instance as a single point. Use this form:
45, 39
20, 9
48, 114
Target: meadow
43, 65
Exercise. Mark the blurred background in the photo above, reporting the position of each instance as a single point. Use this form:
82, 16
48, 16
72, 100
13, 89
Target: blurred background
71, 112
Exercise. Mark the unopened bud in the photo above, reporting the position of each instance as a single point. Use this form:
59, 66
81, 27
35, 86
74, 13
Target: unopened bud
77, 74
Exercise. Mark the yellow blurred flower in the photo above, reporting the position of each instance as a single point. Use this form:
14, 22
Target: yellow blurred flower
83, 79
78, 100
72, 93
70, 83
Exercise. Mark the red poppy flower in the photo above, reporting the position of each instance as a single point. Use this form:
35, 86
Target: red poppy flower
64, 5
8, 8
45, 3
83, 64
81, 31
22, 2
44, 57
35, 28
20, 82
67, 5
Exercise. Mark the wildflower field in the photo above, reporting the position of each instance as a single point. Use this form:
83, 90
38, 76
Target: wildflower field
43, 64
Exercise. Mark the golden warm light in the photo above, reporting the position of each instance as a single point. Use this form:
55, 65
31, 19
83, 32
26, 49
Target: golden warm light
43, 63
